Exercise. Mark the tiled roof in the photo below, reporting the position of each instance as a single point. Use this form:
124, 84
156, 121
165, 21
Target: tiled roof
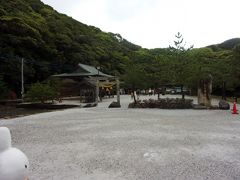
84, 71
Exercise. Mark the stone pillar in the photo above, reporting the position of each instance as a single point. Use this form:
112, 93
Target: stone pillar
204, 91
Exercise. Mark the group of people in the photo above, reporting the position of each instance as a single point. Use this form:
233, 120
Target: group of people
106, 92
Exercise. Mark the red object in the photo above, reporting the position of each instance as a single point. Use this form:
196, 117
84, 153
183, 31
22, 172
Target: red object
235, 111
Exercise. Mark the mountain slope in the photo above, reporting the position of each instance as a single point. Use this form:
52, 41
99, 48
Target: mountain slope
229, 44
51, 42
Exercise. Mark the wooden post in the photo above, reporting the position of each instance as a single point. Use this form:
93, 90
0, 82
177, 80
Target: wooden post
118, 91
115, 104
97, 91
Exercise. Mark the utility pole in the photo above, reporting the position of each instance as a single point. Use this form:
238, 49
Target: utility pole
22, 91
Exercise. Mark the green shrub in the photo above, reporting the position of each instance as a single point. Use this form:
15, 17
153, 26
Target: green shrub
55, 83
41, 92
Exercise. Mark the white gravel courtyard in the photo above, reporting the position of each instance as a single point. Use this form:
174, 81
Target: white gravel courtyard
129, 144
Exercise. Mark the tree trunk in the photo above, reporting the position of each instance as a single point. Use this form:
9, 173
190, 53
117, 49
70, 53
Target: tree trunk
182, 92
224, 90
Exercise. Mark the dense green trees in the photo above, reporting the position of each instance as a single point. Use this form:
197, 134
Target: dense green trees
186, 67
52, 43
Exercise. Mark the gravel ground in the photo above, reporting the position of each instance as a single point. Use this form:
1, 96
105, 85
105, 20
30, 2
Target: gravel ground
129, 144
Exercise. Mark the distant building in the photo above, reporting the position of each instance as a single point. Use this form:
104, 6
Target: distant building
87, 82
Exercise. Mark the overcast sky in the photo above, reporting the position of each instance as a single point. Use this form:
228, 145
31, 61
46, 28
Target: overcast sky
153, 23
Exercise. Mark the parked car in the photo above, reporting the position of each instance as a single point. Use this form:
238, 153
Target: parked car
170, 91
177, 90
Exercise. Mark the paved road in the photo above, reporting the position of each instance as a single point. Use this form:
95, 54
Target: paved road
129, 144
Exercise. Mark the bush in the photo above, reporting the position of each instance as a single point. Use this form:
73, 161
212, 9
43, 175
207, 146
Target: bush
41, 92
54, 83
166, 103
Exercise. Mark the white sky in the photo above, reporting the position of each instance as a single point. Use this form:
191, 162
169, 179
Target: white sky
153, 23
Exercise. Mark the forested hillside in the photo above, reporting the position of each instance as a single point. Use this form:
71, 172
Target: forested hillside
52, 43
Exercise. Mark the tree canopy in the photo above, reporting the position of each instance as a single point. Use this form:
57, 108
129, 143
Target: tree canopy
53, 43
